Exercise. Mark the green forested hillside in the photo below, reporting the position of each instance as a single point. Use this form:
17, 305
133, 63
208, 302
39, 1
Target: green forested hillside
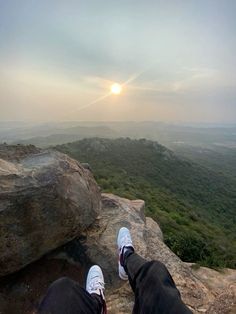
218, 158
195, 206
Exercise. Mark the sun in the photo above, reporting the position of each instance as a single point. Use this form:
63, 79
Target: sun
116, 88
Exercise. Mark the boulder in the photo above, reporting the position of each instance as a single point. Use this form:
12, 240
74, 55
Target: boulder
46, 200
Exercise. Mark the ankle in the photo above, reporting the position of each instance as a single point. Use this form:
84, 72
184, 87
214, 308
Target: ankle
101, 301
126, 252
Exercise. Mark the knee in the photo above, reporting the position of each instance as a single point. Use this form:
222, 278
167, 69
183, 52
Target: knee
159, 266
62, 283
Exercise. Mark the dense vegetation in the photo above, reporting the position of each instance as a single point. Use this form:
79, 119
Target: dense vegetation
218, 158
195, 206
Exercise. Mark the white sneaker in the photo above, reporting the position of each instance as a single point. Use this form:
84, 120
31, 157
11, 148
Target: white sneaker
95, 281
123, 241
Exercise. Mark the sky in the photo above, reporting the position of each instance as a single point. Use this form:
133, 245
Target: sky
175, 60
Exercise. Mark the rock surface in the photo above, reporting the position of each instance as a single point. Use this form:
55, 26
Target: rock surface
46, 200
204, 290
223, 286
100, 244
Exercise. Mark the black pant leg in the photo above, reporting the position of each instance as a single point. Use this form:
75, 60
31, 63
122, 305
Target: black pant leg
132, 264
65, 296
154, 289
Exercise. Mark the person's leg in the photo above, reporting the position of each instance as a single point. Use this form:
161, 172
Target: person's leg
132, 264
153, 286
66, 296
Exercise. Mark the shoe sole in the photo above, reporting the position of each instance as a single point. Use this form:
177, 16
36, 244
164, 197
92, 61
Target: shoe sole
122, 273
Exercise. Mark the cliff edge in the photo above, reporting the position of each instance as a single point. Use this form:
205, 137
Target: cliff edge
74, 226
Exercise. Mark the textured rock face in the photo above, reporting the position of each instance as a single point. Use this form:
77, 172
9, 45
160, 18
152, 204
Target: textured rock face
46, 199
147, 238
223, 286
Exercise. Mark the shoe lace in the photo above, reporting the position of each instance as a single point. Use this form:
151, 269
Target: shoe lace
96, 284
126, 242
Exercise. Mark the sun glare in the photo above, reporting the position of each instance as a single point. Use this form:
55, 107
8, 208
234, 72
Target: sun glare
116, 89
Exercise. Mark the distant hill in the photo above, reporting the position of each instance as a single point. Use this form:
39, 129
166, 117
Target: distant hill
171, 135
220, 159
194, 205
174, 134
61, 136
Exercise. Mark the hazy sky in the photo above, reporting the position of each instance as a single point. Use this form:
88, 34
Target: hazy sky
57, 58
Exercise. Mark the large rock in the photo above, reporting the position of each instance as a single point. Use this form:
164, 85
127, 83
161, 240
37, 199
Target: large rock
46, 199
